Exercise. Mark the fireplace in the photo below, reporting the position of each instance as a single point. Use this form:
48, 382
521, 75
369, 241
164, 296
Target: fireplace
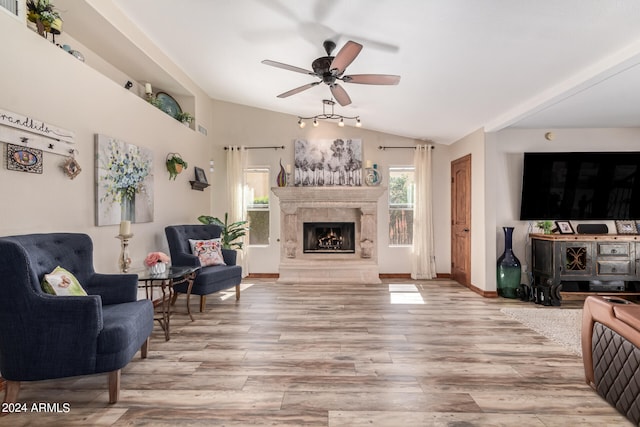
328, 237
347, 253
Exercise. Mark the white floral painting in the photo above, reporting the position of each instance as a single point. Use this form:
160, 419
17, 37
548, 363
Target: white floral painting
124, 182
327, 162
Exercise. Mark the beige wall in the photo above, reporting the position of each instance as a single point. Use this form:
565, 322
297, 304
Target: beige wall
509, 148
42, 81
48, 84
241, 125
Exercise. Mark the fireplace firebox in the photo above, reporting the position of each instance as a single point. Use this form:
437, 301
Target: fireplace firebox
329, 237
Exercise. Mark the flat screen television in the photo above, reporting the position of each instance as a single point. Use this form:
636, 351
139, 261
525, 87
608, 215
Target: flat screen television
581, 186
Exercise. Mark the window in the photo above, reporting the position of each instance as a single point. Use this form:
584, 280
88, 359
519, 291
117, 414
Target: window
257, 196
401, 200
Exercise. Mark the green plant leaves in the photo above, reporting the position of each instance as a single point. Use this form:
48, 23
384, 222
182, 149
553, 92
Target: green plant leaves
230, 232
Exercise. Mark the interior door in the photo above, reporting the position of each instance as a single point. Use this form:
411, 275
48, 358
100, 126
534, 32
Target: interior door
461, 220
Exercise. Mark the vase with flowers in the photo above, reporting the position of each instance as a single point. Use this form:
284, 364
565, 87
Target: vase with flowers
45, 16
157, 262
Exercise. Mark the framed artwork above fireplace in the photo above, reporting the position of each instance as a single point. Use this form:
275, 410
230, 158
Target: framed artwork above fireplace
328, 162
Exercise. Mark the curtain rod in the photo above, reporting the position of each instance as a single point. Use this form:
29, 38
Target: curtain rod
382, 147
275, 147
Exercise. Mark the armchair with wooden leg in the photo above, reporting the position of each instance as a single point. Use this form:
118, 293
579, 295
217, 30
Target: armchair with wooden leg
45, 336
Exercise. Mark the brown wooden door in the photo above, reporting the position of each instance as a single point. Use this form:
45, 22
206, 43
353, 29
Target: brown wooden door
461, 220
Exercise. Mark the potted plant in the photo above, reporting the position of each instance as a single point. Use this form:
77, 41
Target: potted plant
153, 100
43, 14
546, 226
230, 232
184, 118
175, 165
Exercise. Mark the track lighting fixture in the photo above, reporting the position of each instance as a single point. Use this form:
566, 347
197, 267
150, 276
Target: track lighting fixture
328, 116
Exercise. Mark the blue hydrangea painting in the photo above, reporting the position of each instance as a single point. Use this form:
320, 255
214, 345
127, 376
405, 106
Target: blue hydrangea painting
124, 181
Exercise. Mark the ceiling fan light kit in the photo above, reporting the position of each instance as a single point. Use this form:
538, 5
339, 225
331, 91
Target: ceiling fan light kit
328, 116
330, 69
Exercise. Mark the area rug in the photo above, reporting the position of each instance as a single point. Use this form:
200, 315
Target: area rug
559, 325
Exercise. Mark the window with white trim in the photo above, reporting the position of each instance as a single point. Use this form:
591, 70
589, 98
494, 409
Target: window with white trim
401, 202
257, 196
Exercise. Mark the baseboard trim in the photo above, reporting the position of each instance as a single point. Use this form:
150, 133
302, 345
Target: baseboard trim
381, 275
263, 276
482, 292
395, 276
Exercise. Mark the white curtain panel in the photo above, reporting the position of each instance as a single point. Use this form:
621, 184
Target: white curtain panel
423, 264
236, 164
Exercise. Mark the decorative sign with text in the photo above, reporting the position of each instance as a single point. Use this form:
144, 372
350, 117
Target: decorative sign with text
35, 134
32, 125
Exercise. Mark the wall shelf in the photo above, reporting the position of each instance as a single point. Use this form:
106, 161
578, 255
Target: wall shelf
197, 185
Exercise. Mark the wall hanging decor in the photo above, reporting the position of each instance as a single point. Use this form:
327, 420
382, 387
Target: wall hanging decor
175, 165
124, 182
328, 162
31, 133
71, 168
24, 159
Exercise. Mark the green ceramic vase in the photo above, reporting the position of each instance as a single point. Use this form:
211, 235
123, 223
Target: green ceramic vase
509, 268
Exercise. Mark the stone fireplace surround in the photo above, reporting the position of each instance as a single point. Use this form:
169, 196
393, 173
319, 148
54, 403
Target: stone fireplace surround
328, 204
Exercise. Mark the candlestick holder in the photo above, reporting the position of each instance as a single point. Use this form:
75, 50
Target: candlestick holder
124, 260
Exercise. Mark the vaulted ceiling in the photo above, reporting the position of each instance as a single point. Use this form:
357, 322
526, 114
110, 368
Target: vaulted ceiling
465, 64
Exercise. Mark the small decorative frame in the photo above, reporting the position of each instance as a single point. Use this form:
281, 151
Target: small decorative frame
201, 180
71, 168
626, 227
564, 227
24, 159
200, 175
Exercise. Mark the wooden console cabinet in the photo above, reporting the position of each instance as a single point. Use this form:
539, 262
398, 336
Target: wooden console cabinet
604, 262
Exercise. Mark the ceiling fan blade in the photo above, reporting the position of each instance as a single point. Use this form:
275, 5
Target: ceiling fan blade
340, 94
372, 79
298, 90
287, 67
346, 56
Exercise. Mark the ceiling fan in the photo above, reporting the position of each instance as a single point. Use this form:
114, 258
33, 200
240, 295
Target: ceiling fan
330, 69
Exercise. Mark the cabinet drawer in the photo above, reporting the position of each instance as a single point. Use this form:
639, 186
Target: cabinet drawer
622, 268
617, 249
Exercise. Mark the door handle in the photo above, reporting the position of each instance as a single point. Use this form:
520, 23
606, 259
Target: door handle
466, 230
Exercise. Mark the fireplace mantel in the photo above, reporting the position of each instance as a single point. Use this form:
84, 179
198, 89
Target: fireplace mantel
351, 195
322, 204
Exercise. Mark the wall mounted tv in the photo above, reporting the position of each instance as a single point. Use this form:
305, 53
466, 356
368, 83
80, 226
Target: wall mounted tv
581, 186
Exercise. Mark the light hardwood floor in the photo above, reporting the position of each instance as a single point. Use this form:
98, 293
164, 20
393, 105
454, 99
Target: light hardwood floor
339, 355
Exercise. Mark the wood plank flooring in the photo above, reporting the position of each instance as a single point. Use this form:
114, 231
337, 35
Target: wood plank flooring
427, 353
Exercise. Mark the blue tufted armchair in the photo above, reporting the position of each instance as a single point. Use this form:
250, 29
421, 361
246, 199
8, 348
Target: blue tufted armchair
44, 336
211, 278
